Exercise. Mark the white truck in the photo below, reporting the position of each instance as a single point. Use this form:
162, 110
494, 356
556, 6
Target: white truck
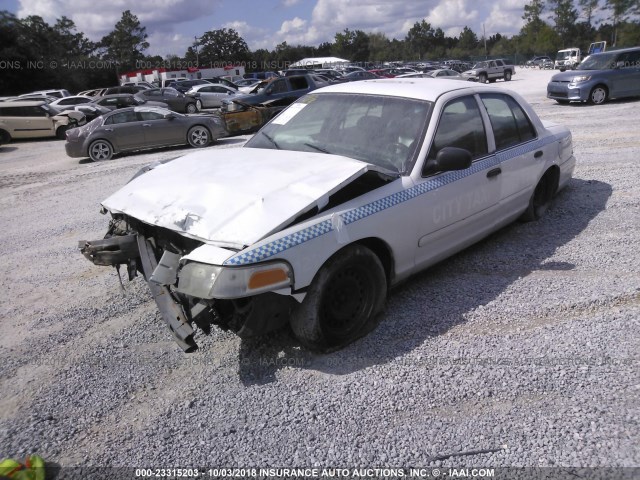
568, 58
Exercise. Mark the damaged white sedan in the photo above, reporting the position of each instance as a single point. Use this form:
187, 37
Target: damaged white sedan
347, 192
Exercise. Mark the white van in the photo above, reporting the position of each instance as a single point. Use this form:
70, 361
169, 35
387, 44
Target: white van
31, 119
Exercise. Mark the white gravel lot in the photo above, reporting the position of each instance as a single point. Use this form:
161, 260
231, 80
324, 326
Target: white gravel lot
525, 346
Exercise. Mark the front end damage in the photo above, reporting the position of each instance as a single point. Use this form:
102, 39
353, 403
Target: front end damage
176, 284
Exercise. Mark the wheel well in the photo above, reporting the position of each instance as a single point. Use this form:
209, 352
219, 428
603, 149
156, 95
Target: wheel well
102, 140
5, 137
553, 173
383, 252
203, 126
601, 85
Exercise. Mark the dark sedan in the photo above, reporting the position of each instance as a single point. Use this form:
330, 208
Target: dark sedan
123, 100
178, 102
138, 128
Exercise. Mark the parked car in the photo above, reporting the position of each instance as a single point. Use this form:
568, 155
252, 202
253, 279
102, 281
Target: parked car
600, 77
139, 128
132, 89
183, 86
222, 81
245, 118
34, 98
490, 70
357, 75
211, 96
177, 101
35, 119
49, 93
71, 101
91, 110
538, 61
347, 192
286, 89
445, 73
123, 100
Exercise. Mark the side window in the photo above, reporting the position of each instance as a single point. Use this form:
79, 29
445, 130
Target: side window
460, 126
34, 112
151, 115
219, 90
123, 117
279, 86
509, 123
299, 83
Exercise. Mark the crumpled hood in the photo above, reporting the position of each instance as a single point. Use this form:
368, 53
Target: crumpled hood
234, 197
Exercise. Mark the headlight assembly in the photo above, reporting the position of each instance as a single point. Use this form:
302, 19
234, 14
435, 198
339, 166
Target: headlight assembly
212, 281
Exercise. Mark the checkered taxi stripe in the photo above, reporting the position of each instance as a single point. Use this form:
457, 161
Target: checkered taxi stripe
270, 249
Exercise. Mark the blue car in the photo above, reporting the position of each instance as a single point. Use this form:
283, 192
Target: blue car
600, 77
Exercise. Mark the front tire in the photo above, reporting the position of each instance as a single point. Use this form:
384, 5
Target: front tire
482, 78
598, 95
5, 137
100, 150
191, 108
343, 302
198, 136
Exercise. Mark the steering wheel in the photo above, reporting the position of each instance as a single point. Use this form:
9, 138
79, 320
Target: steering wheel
397, 150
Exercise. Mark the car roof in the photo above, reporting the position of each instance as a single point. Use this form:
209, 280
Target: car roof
417, 88
24, 103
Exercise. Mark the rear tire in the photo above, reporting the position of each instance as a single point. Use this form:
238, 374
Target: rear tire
343, 302
198, 136
100, 150
507, 76
542, 197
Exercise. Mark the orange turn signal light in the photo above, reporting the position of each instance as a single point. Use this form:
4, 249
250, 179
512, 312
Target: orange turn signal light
264, 278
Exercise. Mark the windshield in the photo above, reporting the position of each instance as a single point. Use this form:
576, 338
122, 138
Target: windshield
481, 65
601, 61
385, 131
563, 55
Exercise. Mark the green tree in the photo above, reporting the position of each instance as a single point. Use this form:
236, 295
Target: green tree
352, 45
533, 15
468, 41
564, 16
588, 8
125, 44
223, 45
419, 39
619, 10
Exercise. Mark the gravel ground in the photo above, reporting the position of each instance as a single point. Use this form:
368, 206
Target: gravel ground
523, 347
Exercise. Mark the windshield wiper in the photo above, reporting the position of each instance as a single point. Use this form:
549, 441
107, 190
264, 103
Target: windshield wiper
275, 144
315, 147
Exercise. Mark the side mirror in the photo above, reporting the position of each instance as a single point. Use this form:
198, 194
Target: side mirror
170, 116
449, 159
230, 93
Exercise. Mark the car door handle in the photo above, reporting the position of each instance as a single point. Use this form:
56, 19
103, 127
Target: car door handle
108, 129
538, 154
146, 124
494, 173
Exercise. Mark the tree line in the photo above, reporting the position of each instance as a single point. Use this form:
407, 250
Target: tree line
36, 55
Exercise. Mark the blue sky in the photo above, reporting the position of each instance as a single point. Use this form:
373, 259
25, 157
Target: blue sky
172, 24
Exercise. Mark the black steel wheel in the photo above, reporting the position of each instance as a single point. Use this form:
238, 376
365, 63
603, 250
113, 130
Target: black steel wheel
343, 302
542, 197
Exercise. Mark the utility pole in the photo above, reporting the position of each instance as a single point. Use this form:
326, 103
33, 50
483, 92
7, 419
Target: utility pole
484, 35
195, 44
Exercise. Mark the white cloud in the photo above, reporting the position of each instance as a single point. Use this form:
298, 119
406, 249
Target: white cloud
165, 19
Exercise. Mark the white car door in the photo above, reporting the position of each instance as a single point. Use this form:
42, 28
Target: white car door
521, 153
455, 208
